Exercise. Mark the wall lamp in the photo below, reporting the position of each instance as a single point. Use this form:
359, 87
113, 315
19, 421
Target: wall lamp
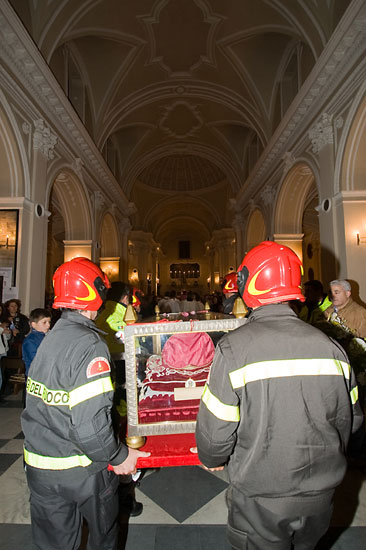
360, 240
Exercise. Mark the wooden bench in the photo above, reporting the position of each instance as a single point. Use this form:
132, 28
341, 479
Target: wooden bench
17, 369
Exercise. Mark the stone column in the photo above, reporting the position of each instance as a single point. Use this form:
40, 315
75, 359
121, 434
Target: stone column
75, 248
293, 241
142, 248
34, 219
225, 246
212, 268
239, 226
322, 139
124, 227
350, 222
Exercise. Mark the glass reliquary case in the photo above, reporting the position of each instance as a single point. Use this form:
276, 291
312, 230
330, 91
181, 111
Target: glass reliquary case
167, 365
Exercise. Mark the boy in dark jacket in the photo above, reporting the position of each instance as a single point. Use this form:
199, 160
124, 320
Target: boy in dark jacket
40, 322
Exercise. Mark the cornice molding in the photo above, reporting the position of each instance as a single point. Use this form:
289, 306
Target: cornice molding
350, 196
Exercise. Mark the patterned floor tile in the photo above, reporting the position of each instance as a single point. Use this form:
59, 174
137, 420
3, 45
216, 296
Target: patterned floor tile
184, 508
6, 460
182, 491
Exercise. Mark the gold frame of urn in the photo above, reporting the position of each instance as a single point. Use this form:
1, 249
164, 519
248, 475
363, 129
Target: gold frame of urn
135, 334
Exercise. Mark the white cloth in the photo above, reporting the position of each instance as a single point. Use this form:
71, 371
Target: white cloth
191, 305
174, 305
4, 342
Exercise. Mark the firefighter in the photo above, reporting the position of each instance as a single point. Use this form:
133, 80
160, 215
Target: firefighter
137, 295
278, 409
69, 439
230, 291
316, 303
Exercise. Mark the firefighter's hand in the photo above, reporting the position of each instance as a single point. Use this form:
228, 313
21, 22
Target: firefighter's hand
129, 465
217, 469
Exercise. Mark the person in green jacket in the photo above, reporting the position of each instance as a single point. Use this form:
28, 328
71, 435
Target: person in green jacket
111, 322
316, 303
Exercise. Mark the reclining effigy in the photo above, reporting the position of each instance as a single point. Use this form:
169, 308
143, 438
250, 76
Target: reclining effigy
174, 379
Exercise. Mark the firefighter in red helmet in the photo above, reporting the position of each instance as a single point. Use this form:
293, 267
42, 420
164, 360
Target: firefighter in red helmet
230, 291
68, 435
278, 409
137, 294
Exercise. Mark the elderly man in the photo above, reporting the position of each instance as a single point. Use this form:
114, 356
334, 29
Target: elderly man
344, 313
348, 326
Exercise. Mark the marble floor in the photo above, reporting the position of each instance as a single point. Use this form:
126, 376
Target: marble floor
184, 508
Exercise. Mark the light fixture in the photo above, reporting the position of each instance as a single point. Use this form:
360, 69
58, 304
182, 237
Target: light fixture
6, 243
360, 240
134, 275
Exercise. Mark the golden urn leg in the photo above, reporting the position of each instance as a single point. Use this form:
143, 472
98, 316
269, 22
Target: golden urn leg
135, 441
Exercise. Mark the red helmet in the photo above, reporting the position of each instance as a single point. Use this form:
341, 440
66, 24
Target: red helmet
270, 273
80, 284
230, 284
136, 297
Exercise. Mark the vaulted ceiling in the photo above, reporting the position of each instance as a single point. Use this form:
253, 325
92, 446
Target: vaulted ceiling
181, 95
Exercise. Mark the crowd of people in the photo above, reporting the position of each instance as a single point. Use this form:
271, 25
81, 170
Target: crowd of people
320, 309
185, 301
88, 339
20, 335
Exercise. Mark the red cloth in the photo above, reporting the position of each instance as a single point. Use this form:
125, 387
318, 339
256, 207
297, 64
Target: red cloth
169, 450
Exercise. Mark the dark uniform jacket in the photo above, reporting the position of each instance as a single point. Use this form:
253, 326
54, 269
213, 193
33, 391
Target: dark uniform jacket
279, 406
67, 420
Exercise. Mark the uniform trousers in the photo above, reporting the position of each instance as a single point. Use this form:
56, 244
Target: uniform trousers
252, 526
58, 508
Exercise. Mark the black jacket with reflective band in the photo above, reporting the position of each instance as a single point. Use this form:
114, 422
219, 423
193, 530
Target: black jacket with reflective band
279, 406
67, 420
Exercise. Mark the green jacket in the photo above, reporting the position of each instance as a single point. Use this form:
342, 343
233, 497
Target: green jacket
316, 315
111, 321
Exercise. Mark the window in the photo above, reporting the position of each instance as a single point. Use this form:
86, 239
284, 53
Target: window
184, 249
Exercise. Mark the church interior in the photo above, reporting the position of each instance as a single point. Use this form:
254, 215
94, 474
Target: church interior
163, 139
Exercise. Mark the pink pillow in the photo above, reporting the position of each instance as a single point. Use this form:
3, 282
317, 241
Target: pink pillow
194, 349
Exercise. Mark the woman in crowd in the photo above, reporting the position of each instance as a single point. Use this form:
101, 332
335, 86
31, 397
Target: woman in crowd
5, 335
18, 324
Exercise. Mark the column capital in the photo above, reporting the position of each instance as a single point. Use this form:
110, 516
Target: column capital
43, 139
322, 133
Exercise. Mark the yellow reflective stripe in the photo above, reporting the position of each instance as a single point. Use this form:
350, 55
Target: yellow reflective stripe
346, 368
55, 463
354, 395
49, 397
230, 413
89, 390
288, 367
327, 303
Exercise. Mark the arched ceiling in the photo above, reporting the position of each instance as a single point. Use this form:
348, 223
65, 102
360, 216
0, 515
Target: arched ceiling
177, 90
181, 173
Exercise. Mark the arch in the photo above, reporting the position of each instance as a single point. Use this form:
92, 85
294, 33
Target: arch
291, 199
217, 93
109, 237
311, 247
177, 227
14, 165
256, 230
194, 207
353, 151
73, 204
